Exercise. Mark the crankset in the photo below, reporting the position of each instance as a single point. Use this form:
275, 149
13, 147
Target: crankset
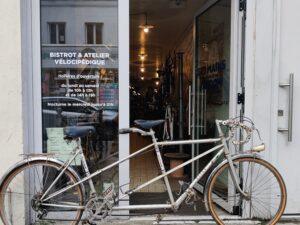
99, 208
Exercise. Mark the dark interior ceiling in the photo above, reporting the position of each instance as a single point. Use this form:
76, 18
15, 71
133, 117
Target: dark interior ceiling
170, 21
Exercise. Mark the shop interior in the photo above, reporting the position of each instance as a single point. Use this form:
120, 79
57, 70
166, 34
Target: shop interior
164, 59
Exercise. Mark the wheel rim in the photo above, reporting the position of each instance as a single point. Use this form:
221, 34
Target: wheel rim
21, 190
263, 184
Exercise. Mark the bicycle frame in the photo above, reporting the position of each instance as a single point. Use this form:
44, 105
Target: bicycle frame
174, 205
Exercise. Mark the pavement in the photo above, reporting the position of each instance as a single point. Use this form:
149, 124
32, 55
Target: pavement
183, 223
141, 222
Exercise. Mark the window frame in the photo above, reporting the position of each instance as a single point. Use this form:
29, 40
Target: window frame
94, 24
57, 35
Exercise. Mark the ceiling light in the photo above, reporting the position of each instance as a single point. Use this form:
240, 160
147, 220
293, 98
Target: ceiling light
142, 69
142, 56
142, 78
146, 27
157, 83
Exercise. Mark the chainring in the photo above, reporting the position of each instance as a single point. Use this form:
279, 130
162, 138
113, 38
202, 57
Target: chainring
97, 209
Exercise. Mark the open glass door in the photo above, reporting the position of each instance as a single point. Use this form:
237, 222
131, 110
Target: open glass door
212, 70
218, 77
211, 85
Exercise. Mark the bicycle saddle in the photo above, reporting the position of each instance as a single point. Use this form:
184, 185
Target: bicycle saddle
78, 131
148, 124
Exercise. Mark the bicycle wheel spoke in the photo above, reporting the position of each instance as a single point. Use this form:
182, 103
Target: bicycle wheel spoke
258, 171
267, 188
38, 176
262, 181
23, 189
261, 204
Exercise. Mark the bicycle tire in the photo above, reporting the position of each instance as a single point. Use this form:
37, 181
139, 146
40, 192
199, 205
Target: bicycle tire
254, 207
11, 181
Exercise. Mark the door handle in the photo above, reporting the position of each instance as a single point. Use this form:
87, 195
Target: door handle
289, 130
205, 112
190, 108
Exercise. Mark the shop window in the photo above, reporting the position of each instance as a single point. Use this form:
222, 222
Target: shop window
57, 33
80, 82
93, 33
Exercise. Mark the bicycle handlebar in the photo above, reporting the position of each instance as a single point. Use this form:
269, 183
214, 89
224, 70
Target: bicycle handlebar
233, 125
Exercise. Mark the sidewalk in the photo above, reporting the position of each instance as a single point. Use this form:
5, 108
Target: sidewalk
172, 220
190, 222
184, 223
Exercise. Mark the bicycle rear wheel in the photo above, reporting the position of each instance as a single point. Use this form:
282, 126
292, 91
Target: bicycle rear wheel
22, 188
260, 180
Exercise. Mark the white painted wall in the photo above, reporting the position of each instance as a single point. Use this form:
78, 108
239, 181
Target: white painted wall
272, 52
11, 135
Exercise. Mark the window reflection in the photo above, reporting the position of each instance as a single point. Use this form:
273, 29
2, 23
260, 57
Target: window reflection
57, 33
93, 33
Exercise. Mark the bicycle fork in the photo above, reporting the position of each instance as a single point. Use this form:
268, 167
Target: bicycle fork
233, 174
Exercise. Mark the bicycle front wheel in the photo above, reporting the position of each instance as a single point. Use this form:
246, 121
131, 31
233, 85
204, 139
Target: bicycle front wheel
22, 189
262, 183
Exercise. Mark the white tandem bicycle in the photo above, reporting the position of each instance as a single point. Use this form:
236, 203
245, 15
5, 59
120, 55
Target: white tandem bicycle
41, 188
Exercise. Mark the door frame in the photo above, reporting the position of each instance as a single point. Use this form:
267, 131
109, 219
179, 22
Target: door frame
235, 61
31, 82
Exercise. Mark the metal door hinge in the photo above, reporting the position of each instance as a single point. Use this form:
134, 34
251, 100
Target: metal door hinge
243, 5
241, 98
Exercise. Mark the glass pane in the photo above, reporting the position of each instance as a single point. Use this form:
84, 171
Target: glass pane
52, 33
61, 34
213, 64
98, 33
212, 77
89, 34
80, 83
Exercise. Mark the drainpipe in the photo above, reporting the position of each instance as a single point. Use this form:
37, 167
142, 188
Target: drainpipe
180, 76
